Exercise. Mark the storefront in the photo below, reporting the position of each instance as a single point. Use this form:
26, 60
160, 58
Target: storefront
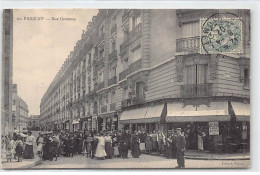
241, 124
202, 123
144, 118
94, 123
75, 125
83, 123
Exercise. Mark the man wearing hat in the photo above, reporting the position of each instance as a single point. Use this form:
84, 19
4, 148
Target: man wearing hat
180, 145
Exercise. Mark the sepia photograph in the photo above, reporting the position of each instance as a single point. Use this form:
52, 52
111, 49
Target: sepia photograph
89, 88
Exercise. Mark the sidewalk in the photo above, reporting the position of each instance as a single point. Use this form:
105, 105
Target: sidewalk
26, 163
204, 155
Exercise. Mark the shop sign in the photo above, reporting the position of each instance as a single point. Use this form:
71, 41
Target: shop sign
213, 128
114, 119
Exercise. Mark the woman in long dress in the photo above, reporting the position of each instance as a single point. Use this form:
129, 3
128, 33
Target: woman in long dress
136, 146
100, 151
201, 135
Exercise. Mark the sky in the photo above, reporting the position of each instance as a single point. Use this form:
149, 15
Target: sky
40, 47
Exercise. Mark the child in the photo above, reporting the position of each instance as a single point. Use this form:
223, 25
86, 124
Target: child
8, 148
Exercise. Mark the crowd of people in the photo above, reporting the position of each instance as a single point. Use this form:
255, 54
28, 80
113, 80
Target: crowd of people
96, 145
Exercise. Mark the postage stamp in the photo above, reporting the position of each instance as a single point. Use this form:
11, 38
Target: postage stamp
221, 35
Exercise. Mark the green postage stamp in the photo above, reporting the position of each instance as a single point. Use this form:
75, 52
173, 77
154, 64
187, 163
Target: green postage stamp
221, 35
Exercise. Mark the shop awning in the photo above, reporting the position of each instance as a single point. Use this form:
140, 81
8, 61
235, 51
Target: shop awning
241, 110
216, 111
75, 122
142, 115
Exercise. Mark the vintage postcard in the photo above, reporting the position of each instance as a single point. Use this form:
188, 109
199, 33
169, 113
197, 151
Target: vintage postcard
125, 88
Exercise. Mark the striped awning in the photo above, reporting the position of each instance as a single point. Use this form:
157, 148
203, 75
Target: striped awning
142, 115
216, 111
241, 110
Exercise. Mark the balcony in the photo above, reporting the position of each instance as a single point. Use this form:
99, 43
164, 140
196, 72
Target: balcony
125, 103
135, 66
136, 32
113, 56
124, 48
188, 45
112, 106
113, 29
101, 85
123, 74
104, 109
101, 38
196, 90
125, 16
95, 110
112, 81
138, 99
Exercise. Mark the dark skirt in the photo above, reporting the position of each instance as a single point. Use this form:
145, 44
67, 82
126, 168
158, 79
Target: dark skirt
108, 149
28, 152
136, 150
19, 151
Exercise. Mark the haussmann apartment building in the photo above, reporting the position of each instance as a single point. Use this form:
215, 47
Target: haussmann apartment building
142, 69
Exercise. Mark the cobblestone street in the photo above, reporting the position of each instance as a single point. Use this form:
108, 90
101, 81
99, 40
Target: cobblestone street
145, 161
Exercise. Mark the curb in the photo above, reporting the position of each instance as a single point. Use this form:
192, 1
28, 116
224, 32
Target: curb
204, 158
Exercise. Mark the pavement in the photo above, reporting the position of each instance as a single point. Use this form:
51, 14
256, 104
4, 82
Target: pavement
25, 164
205, 155
143, 162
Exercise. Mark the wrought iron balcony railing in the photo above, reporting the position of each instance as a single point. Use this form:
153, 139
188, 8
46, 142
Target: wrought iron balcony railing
112, 106
123, 74
113, 29
101, 85
112, 56
139, 99
101, 38
125, 16
135, 66
196, 90
112, 81
136, 31
188, 45
104, 109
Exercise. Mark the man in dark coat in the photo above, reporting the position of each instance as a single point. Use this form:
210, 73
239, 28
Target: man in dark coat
180, 148
125, 144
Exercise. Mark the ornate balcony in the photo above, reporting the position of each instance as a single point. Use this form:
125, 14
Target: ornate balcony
104, 109
138, 99
124, 48
123, 74
196, 90
101, 85
113, 29
112, 81
112, 106
101, 38
113, 56
135, 66
125, 103
188, 45
125, 16
136, 32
